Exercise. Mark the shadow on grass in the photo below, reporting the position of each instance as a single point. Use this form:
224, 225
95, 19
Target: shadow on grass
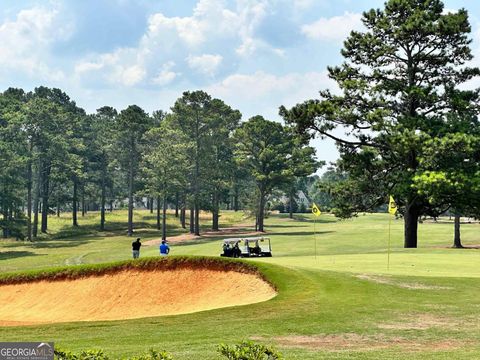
111, 228
16, 254
303, 233
292, 225
57, 243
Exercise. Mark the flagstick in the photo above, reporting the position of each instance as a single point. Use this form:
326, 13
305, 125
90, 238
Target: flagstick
314, 235
389, 236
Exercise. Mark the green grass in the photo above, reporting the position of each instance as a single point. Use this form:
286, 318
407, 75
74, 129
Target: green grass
425, 306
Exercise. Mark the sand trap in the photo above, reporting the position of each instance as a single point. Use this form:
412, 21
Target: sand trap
128, 294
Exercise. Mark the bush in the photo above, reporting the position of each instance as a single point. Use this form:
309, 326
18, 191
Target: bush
248, 350
154, 355
100, 355
84, 355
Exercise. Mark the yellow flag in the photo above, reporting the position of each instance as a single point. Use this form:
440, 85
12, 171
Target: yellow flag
315, 210
392, 206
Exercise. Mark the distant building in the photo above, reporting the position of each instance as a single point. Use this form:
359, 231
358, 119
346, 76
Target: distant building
300, 199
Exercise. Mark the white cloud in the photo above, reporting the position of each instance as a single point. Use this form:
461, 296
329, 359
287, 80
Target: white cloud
26, 42
260, 91
206, 64
131, 75
213, 36
302, 4
166, 75
336, 28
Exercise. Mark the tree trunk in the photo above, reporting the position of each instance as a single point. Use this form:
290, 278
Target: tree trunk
111, 205
103, 199
192, 219
5, 219
164, 218
130, 200
411, 226
158, 212
215, 211
36, 200
83, 200
176, 204
182, 216
197, 219
29, 199
197, 176
58, 208
75, 202
45, 196
457, 242
150, 204
261, 212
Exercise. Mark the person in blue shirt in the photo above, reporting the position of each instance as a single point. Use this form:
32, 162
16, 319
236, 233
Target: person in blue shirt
164, 248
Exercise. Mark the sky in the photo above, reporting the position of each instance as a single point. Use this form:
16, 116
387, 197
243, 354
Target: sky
254, 54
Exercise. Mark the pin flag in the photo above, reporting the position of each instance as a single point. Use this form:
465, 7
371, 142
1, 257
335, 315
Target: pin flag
392, 206
315, 210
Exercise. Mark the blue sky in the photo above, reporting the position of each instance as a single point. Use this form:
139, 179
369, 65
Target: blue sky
254, 54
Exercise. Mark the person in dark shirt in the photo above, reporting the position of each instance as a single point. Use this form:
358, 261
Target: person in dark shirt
164, 248
136, 248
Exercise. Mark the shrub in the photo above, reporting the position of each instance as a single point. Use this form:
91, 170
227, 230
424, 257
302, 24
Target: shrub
84, 355
100, 355
154, 355
248, 350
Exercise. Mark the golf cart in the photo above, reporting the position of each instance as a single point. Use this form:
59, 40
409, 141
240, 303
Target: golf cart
247, 247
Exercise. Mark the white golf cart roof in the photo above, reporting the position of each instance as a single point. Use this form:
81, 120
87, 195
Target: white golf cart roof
250, 239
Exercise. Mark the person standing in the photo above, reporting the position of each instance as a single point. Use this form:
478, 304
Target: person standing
136, 248
164, 248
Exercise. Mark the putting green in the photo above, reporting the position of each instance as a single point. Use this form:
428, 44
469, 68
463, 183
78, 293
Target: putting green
408, 264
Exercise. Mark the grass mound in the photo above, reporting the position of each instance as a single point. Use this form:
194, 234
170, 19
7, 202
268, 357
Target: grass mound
145, 264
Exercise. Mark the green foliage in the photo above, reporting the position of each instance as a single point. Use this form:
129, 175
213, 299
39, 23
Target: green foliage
95, 354
400, 87
153, 355
90, 354
451, 173
248, 350
273, 156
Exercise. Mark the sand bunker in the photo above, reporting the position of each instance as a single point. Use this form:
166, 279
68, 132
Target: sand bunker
128, 294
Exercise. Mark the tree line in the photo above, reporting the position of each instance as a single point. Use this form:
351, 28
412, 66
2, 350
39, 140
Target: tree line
198, 156
409, 119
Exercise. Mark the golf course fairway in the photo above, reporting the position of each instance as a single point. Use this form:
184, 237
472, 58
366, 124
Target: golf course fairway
344, 302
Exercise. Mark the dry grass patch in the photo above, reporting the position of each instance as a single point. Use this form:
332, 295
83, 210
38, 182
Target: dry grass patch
357, 342
410, 285
424, 322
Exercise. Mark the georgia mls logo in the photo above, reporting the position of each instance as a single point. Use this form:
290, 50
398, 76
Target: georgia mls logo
26, 351
44, 349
